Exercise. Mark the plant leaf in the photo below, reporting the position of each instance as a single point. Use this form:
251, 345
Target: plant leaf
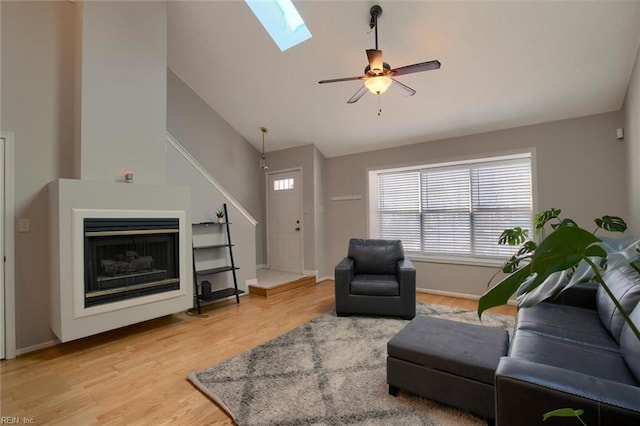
511, 265
501, 292
563, 249
528, 247
513, 237
562, 412
549, 288
541, 219
611, 223
565, 222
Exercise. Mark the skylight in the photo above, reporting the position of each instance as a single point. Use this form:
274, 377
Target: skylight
281, 20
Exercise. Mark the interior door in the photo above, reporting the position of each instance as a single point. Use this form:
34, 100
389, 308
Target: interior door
284, 215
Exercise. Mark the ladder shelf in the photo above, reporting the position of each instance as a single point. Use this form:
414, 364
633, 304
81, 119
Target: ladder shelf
216, 252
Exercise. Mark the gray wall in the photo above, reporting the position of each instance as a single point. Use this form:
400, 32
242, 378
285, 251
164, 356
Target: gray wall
37, 107
320, 209
581, 168
226, 155
312, 163
632, 140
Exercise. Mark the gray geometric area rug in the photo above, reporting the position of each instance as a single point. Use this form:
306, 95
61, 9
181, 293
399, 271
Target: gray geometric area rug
329, 371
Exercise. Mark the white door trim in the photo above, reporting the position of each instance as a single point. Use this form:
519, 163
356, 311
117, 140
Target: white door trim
274, 172
9, 248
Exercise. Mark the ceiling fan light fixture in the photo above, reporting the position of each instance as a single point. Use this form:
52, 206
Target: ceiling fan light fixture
378, 85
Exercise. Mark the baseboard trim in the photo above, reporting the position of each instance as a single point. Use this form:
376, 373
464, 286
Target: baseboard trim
310, 272
455, 294
33, 348
261, 266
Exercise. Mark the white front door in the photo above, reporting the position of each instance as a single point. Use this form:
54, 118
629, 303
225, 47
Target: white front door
284, 215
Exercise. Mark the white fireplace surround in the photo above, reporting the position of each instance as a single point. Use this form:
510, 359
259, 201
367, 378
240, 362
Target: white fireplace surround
77, 244
74, 200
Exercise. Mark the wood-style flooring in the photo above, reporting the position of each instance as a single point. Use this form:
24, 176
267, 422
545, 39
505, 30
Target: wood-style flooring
137, 374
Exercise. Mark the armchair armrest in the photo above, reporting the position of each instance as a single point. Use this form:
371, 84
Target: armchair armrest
343, 275
581, 295
526, 390
406, 276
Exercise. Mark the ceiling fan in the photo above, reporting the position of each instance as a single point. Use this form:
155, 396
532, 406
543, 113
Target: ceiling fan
378, 75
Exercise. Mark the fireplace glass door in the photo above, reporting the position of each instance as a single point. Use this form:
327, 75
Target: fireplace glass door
128, 258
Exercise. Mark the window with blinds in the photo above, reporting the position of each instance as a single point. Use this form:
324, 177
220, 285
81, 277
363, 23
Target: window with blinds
456, 210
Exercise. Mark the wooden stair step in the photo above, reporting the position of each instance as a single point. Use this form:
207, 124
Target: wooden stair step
284, 287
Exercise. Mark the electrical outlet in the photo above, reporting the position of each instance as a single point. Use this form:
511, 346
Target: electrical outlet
24, 225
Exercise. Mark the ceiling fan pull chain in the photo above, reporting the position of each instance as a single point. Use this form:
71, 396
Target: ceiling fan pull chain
379, 104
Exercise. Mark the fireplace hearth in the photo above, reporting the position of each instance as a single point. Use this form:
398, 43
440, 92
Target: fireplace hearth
129, 257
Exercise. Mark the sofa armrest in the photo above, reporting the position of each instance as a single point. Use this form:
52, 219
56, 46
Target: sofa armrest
343, 275
526, 390
406, 276
582, 295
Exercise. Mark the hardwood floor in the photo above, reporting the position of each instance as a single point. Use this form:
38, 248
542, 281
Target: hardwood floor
137, 374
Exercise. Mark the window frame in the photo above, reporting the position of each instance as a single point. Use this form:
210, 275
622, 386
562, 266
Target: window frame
372, 201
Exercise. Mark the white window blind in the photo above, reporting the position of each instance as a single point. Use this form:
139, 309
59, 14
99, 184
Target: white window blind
455, 210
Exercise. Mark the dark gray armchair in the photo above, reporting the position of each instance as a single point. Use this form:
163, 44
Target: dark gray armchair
375, 279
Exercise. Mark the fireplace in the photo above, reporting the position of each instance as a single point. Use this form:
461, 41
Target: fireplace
127, 258
120, 255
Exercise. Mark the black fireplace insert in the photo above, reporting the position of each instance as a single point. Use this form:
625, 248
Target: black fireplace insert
129, 257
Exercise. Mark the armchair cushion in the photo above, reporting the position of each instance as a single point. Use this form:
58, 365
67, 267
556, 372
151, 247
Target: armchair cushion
375, 256
375, 285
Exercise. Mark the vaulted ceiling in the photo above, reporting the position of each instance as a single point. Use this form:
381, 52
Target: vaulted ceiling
504, 64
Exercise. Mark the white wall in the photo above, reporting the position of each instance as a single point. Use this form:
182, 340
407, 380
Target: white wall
205, 201
632, 140
320, 209
123, 90
581, 169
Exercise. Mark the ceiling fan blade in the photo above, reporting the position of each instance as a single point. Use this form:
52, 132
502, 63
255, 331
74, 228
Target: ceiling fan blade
422, 66
408, 90
336, 80
356, 96
375, 59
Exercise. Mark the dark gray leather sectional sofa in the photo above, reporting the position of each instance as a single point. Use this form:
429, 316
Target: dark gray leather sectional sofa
574, 352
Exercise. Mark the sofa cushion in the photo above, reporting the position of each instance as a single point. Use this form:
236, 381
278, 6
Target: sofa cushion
578, 325
630, 345
624, 283
375, 285
375, 256
548, 350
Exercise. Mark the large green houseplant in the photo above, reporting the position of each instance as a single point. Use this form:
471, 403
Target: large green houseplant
566, 256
